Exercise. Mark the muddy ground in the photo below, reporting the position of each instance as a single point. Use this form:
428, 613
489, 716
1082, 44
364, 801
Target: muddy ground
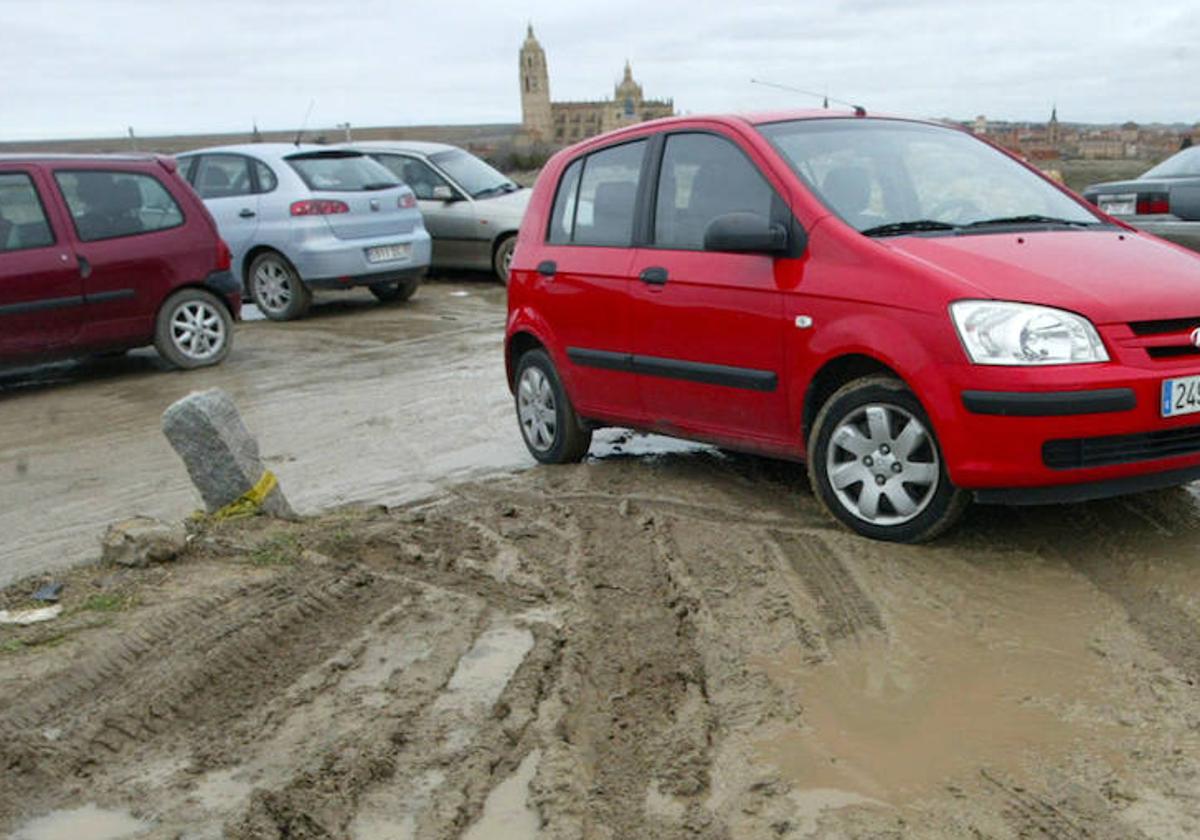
664, 642
660, 646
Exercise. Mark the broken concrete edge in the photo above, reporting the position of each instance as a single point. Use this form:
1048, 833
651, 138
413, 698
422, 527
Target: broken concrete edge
221, 456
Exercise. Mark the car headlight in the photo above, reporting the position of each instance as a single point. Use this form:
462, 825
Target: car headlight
1001, 333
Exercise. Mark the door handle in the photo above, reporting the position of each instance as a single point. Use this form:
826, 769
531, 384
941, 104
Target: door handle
547, 268
85, 268
247, 213
654, 275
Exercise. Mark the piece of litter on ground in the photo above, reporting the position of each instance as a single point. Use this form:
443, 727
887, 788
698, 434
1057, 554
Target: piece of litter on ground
49, 593
459, 293
30, 616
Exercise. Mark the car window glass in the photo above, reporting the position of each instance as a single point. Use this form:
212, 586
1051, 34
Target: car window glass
1182, 164
418, 175
562, 217
23, 222
703, 177
223, 176
338, 171
607, 195
108, 204
184, 167
266, 177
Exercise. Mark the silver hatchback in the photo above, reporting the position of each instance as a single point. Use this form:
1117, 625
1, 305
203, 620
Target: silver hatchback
302, 217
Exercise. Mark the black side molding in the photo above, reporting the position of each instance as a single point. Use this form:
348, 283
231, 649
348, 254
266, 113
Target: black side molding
732, 377
25, 307
1049, 403
1086, 491
222, 282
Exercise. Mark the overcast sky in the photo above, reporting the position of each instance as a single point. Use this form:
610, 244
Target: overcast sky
93, 67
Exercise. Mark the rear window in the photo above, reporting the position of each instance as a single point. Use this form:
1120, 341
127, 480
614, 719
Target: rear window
109, 204
341, 172
23, 222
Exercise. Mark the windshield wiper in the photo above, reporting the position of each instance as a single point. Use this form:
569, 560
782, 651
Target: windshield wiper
499, 188
1030, 219
911, 226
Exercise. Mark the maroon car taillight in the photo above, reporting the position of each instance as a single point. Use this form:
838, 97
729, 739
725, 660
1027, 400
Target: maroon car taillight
224, 256
1149, 204
319, 207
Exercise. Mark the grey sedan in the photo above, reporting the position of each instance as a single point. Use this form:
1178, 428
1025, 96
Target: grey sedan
471, 210
1164, 201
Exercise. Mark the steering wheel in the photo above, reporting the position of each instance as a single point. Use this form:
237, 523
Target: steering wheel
957, 209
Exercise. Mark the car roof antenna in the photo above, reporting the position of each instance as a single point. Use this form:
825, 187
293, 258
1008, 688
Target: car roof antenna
859, 111
304, 124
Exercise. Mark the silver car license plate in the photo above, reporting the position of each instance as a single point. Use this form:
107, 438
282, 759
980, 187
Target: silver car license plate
1124, 204
1180, 396
388, 253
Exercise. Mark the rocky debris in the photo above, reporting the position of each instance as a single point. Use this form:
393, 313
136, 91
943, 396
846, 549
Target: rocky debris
141, 541
220, 454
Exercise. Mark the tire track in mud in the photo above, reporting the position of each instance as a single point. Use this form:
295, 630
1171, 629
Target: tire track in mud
1034, 815
847, 611
201, 666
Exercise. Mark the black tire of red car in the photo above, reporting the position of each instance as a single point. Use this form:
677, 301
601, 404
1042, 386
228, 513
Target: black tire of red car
943, 503
279, 293
395, 292
569, 440
503, 257
189, 324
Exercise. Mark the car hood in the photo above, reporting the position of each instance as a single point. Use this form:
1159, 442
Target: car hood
1109, 275
508, 204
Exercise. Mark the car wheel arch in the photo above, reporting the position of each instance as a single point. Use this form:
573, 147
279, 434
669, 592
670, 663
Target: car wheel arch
199, 287
833, 374
520, 343
256, 252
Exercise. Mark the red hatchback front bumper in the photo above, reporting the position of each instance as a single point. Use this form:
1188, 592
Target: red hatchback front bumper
1068, 433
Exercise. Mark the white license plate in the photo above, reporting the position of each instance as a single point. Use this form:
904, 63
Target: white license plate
1180, 396
387, 253
1118, 205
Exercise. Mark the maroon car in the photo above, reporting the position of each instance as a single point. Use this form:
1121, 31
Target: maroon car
104, 253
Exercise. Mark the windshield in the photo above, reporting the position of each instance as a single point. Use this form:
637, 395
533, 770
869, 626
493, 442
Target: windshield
888, 177
472, 174
1179, 165
341, 172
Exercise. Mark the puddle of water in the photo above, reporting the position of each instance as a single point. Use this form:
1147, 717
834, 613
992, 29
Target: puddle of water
377, 820
485, 670
812, 804
87, 822
894, 718
506, 813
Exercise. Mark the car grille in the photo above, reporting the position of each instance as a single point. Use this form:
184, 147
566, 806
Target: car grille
1075, 453
1166, 339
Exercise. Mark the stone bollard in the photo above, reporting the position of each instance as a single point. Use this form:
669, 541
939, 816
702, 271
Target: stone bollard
220, 455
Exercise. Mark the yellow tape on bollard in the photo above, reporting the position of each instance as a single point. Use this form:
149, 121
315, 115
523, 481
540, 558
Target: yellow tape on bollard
249, 502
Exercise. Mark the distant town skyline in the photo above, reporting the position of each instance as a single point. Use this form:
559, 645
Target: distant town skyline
86, 69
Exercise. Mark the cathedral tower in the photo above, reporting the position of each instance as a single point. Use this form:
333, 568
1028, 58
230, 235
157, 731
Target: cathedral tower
535, 90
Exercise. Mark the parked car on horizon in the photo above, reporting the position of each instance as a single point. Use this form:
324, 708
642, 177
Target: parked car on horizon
915, 313
103, 253
1164, 201
471, 210
302, 217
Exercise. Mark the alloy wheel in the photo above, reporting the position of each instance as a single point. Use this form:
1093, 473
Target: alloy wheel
536, 409
882, 464
197, 330
273, 286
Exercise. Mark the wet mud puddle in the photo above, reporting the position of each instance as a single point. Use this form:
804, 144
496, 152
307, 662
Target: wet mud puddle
87, 822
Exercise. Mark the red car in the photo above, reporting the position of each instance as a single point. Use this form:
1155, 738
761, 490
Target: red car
915, 313
104, 253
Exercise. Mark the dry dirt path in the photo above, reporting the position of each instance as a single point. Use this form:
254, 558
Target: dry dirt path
655, 647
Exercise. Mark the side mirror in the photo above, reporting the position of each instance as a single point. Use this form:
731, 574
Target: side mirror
747, 233
444, 193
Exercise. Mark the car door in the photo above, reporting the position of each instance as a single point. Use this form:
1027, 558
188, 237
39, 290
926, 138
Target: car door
583, 278
459, 238
40, 286
129, 231
707, 327
226, 184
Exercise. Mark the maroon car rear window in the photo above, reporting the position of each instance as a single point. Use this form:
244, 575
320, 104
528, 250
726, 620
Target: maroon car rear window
23, 222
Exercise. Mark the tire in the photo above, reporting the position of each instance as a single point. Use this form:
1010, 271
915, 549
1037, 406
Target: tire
276, 288
193, 329
865, 432
502, 259
549, 426
396, 292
